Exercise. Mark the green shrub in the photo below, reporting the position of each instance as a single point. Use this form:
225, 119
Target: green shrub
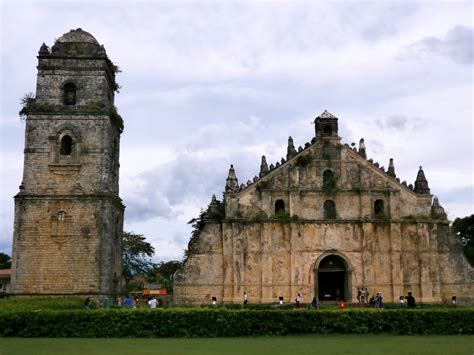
42, 303
222, 322
263, 185
260, 216
303, 160
330, 185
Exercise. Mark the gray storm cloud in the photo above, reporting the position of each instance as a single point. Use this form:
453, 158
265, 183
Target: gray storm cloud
206, 85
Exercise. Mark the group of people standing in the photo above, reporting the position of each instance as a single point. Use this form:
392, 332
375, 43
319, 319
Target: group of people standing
374, 301
362, 295
129, 302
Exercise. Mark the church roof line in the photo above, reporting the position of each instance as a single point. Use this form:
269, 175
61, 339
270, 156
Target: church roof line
381, 169
274, 167
326, 114
389, 173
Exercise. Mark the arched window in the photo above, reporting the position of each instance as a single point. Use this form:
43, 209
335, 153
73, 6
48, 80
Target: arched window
327, 130
69, 97
329, 210
329, 181
61, 216
378, 208
66, 146
279, 206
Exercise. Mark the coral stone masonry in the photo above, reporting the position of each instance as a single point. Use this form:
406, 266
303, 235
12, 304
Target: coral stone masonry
68, 213
322, 223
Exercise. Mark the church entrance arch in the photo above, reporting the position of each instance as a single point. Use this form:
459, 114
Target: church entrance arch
332, 278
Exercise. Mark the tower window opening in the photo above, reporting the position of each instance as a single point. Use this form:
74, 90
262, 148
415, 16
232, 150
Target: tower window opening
378, 208
66, 146
330, 210
327, 130
279, 206
69, 94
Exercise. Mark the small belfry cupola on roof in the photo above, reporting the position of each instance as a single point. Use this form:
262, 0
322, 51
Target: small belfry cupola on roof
421, 184
326, 125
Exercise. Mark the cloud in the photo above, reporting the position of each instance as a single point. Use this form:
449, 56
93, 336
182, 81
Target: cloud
399, 122
210, 84
198, 167
457, 45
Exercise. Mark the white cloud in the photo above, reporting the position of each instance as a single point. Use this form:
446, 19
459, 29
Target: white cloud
457, 45
210, 84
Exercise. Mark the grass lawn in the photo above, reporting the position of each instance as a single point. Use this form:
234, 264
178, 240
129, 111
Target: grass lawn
305, 344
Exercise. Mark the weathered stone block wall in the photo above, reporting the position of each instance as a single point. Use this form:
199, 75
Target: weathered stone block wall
271, 248
92, 166
68, 215
93, 85
268, 260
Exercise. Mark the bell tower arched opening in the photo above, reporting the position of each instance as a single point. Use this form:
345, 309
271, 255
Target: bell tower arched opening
332, 278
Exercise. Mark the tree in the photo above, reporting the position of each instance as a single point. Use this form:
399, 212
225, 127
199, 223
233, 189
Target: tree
163, 273
5, 261
136, 256
464, 229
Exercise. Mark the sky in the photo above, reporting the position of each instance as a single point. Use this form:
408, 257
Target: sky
209, 84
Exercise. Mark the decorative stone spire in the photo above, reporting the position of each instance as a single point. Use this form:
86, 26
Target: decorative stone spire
290, 151
421, 184
391, 168
22, 189
437, 211
231, 183
263, 167
213, 208
362, 152
44, 50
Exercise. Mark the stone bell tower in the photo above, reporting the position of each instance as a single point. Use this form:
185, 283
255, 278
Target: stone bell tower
67, 237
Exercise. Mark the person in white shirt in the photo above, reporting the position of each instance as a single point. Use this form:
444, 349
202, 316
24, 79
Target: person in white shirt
152, 303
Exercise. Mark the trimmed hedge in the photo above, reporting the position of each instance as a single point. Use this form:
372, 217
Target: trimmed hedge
229, 323
42, 303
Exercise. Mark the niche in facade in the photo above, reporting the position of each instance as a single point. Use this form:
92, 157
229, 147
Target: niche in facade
329, 210
279, 206
69, 96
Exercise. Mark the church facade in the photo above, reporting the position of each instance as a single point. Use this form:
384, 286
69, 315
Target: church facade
68, 214
322, 223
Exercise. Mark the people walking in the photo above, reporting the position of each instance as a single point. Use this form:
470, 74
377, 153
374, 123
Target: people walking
128, 302
298, 301
363, 295
411, 303
152, 303
402, 302
379, 300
